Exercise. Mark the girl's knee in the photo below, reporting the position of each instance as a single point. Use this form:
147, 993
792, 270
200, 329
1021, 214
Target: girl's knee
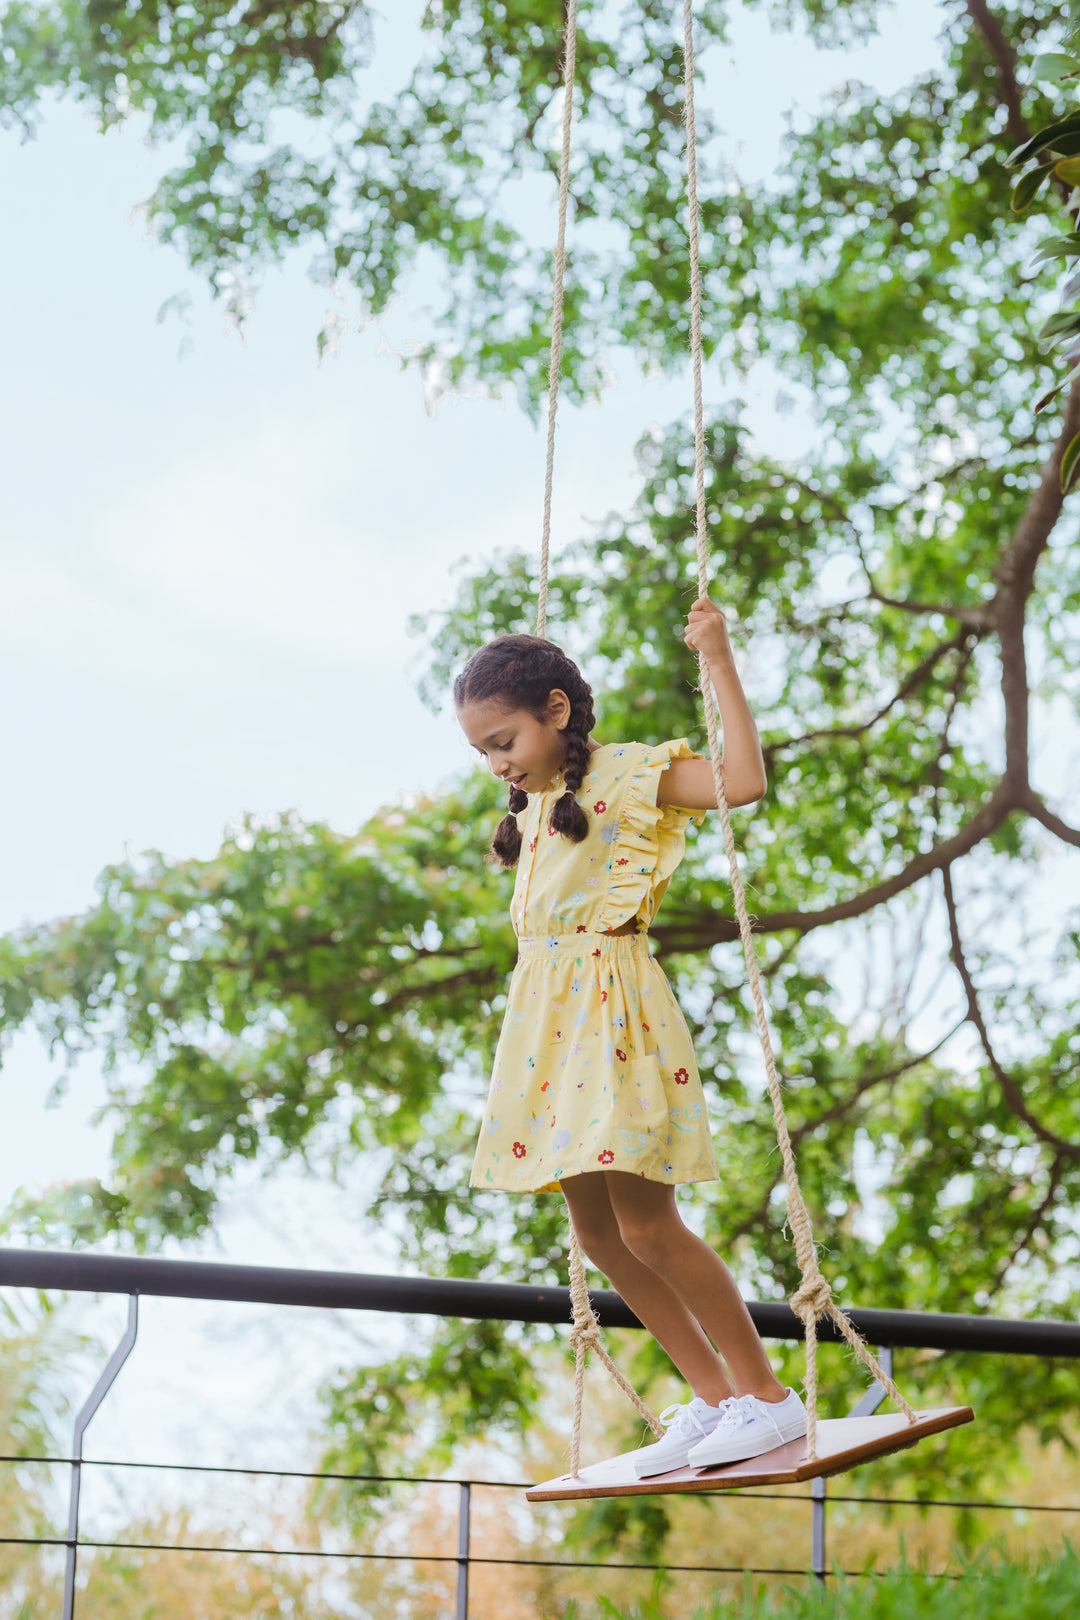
651, 1239
600, 1242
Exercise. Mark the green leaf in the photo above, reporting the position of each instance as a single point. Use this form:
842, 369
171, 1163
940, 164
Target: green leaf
1070, 465
1068, 170
1053, 66
1061, 325
1057, 247
1027, 187
1052, 393
1066, 145
1043, 141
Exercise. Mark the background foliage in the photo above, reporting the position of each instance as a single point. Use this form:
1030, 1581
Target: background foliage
908, 594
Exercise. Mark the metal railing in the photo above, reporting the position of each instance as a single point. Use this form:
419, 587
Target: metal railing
451, 1297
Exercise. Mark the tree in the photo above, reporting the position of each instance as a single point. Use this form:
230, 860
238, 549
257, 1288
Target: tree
308, 994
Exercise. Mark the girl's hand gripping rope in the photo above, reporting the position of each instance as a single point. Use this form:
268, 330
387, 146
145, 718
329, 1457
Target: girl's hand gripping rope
706, 631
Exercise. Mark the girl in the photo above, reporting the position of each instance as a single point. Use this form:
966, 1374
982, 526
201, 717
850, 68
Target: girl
595, 1091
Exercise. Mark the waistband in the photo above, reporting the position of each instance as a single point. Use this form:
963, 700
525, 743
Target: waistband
587, 944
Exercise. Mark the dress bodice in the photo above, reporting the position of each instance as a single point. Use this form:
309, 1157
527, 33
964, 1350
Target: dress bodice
621, 870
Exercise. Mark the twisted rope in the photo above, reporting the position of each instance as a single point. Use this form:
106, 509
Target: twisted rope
585, 1336
813, 1299
585, 1333
559, 276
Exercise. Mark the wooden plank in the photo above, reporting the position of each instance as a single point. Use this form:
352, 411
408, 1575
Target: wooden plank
842, 1443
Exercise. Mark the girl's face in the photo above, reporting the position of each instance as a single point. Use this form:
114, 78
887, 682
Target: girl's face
520, 749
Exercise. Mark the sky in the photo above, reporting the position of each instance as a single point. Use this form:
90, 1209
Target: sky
211, 546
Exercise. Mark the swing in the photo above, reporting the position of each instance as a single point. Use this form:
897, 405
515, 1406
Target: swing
830, 1445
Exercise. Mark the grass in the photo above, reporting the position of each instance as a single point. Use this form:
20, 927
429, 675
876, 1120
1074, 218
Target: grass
989, 1587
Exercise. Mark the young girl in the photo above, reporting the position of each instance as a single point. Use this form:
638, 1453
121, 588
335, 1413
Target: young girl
595, 1091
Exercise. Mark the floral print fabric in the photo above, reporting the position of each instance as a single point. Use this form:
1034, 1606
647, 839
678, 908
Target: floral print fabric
595, 1068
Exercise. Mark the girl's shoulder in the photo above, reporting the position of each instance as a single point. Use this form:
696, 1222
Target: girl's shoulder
615, 760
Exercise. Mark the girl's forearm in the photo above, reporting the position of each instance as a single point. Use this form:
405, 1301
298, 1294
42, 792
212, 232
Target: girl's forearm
744, 767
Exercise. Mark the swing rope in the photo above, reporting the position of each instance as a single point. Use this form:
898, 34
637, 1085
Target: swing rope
559, 279
585, 1334
813, 1298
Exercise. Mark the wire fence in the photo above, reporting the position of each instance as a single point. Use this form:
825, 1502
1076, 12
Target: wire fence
448, 1297
468, 1559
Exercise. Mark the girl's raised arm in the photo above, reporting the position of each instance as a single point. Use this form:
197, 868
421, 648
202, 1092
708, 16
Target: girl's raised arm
689, 782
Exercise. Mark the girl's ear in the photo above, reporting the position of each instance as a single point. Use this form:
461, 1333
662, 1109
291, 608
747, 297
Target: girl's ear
559, 709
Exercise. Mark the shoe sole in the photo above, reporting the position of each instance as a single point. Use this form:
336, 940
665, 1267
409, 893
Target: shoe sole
646, 1469
771, 1442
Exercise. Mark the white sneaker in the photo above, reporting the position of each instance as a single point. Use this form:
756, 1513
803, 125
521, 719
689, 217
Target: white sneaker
686, 1426
747, 1428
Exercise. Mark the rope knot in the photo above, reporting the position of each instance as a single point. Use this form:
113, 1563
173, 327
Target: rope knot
585, 1335
812, 1298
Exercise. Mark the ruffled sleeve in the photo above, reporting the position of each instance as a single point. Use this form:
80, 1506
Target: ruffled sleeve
650, 840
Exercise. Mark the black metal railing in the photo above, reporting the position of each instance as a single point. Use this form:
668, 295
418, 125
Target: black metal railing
447, 1297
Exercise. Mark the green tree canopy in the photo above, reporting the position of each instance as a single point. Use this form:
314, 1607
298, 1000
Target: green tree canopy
910, 588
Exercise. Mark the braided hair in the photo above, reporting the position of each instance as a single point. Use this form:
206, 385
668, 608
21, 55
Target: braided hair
521, 672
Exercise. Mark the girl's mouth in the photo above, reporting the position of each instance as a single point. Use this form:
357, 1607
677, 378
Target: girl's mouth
518, 781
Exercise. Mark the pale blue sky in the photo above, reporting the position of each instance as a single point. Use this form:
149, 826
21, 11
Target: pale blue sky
206, 568
208, 562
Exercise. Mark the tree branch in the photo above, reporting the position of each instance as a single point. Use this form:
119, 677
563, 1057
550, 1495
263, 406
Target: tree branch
867, 1083
979, 619
1015, 572
433, 987
956, 686
1041, 812
716, 929
1057, 1169
1010, 1089
1001, 51
914, 680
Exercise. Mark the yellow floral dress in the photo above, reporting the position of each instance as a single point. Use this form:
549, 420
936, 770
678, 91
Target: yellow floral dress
595, 1068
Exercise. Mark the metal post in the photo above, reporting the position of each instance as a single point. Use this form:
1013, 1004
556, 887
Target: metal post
462, 1610
817, 1529
89, 1407
866, 1406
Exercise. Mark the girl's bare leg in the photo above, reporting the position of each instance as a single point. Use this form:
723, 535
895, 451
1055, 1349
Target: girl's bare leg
659, 1308
654, 1233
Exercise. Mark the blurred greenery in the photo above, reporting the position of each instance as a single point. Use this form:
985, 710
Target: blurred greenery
1021, 1589
907, 591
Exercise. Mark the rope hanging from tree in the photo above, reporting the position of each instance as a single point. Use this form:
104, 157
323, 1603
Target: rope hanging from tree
813, 1298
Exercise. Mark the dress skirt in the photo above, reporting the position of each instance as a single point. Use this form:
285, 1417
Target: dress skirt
594, 1071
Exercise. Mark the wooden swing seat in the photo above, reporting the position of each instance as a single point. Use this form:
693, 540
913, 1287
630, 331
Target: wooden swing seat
842, 1443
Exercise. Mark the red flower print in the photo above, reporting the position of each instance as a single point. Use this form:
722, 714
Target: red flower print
681, 1077
607, 1157
620, 1054
551, 832
532, 844
600, 806
645, 1027
545, 1085
519, 1150
596, 952
582, 929
603, 997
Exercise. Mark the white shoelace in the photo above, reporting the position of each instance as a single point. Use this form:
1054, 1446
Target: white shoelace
744, 1409
681, 1419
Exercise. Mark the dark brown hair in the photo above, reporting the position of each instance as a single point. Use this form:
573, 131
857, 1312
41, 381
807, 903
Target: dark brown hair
521, 672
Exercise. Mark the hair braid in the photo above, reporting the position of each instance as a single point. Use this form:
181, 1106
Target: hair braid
567, 816
506, 839
521, 672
